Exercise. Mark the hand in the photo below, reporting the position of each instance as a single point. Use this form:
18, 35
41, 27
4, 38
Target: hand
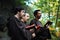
31, 30
30, 26
38, 27
33, 35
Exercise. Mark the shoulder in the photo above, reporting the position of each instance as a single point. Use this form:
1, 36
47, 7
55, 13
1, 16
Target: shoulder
32, 21
11, 18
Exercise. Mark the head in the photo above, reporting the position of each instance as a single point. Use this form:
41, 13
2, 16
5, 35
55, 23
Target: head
37, 14
26, 17
19, 11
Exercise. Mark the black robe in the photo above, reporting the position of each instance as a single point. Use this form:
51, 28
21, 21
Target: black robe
41, 34
16, 29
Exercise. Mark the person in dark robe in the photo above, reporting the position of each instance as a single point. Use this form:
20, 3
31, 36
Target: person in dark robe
24, 20
40, 31
16, 28
46, 26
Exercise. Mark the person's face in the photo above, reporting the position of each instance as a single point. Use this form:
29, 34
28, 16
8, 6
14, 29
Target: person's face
38, 15
21, 13
26, 17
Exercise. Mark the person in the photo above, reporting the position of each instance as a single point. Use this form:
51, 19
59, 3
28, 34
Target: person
24, 20
15, 28
40, 31
46, 26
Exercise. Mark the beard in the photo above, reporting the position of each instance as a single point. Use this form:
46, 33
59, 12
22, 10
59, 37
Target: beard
38, 17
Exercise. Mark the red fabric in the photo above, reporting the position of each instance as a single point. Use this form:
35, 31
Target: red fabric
37, 27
